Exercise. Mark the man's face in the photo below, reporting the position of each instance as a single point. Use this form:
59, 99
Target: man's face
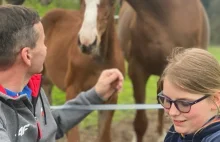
39, 52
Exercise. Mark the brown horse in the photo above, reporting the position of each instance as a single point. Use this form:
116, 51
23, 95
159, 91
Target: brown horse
80, 45
148, 32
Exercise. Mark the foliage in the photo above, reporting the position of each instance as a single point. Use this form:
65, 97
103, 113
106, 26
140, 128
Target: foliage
213, 11
214, 17
42, 9
206, 3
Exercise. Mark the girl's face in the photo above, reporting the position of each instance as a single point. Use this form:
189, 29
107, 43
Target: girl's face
200, 113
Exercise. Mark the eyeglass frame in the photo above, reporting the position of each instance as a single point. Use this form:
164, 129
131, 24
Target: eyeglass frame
174, 101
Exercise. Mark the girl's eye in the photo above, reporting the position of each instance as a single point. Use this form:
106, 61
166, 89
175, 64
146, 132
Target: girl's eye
183, 103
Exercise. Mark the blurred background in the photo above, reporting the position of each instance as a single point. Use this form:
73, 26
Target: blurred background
213, 10
89, 125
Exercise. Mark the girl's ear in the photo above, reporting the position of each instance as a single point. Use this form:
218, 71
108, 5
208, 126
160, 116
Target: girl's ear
26, 55
216, 100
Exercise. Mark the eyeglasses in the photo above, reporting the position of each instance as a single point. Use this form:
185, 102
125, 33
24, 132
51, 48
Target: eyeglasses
182, 105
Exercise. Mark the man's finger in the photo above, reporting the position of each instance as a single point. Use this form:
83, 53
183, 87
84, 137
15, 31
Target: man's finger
111, 78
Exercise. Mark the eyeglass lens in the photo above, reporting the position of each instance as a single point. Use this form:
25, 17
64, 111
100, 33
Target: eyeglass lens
181, 105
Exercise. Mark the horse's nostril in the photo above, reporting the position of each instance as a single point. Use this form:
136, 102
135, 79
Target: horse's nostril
83, 48
86, 48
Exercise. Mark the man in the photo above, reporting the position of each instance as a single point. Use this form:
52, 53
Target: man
25, 114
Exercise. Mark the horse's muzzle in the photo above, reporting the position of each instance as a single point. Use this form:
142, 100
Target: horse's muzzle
88, 49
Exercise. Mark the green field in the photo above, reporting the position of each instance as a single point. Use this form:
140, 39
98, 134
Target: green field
125, 97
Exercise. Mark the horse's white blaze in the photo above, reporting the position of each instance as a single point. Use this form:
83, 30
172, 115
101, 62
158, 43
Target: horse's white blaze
88, 31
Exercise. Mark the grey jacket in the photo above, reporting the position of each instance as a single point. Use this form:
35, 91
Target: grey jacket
22, 120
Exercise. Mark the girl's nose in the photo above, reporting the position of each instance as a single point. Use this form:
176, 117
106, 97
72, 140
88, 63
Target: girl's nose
173, 111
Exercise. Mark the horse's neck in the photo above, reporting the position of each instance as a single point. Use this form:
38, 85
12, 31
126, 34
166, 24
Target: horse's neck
149, 4
155, 8
107, 41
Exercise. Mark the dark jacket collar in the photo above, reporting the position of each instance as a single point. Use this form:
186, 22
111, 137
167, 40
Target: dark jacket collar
209, 128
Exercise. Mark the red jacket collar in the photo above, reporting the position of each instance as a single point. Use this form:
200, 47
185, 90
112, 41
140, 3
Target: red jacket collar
34, 84
2, 89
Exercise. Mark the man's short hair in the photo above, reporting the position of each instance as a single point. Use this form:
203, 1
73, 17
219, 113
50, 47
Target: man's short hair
16, 32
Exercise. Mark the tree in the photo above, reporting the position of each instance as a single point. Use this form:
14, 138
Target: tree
214, 18
206, 3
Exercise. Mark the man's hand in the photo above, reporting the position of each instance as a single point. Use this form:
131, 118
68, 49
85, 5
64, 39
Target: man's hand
109, 82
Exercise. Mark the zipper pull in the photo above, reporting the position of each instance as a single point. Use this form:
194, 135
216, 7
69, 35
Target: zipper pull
39, 129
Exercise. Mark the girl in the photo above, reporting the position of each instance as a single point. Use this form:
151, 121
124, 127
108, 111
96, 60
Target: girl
191, 96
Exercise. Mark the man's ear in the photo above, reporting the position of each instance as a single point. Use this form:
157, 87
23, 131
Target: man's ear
26, 55
216, 99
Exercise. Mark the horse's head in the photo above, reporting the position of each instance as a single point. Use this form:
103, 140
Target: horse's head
97, 14
15, 2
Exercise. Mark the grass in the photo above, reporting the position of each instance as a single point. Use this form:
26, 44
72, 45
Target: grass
125, 97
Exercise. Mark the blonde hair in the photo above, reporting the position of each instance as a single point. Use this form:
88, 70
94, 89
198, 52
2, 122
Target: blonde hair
195, 70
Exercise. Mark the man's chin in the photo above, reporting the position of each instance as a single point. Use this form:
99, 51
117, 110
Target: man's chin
37, 71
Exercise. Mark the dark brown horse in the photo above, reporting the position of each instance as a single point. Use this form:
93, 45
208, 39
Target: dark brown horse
148, 32
80, 45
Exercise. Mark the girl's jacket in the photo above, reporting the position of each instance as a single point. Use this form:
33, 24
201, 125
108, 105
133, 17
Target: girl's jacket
25, 120
210, 132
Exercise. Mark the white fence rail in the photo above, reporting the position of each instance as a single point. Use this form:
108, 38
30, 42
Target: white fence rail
110, 107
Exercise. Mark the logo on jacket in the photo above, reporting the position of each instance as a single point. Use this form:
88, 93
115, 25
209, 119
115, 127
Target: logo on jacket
23, 129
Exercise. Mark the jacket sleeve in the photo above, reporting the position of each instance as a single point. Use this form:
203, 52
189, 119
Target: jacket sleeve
3, 134
67, 118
